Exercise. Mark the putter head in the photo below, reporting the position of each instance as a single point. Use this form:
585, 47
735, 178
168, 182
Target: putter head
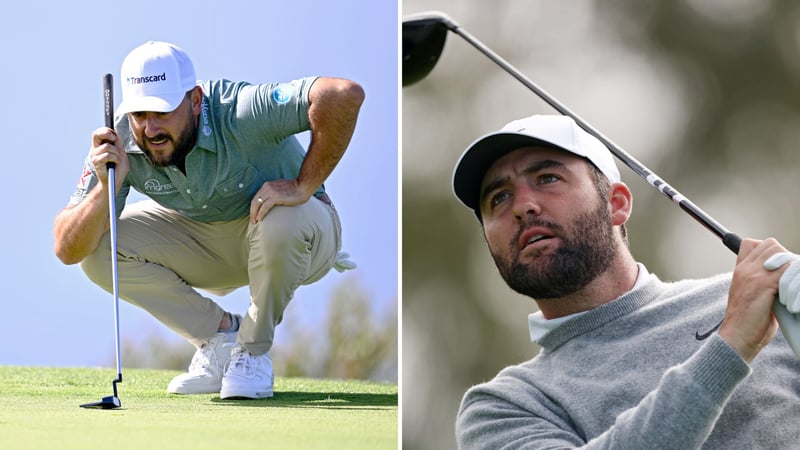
423, 41
110, 402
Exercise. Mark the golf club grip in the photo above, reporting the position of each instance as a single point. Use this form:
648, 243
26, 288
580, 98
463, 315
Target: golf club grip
789, 323
108, 99
732, 241
108, 104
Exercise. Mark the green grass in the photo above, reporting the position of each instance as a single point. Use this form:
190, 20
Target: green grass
39, 409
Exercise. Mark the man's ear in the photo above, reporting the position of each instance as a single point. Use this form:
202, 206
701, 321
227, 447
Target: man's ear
621, 202
197, 99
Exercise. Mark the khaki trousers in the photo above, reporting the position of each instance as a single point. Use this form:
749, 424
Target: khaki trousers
164, 258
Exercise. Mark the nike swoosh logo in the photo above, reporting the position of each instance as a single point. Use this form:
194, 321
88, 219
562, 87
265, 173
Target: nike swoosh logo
701, 337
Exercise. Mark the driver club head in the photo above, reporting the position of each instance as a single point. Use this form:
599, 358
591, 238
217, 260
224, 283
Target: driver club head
110, 402
423, 41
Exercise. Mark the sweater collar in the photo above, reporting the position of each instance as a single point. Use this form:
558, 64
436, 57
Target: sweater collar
541, 329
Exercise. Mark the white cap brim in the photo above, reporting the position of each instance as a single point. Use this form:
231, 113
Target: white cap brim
163, 104
560, 132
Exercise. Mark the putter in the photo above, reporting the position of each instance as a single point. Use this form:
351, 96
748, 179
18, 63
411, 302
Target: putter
424, 36
112, 401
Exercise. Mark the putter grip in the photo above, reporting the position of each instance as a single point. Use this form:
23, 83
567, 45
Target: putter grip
108, 99
108, 104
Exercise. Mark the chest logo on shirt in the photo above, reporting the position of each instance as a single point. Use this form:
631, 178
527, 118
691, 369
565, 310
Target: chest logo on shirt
154, 187
282, 93
701, 337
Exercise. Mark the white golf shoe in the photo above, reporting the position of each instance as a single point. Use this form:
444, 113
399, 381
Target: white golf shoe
207, 367
247, 376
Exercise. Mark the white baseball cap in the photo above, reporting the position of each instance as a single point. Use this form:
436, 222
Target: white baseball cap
556, 131
155, 77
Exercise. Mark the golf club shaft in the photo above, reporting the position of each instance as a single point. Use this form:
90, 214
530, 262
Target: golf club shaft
731, 240
114, 273
108, 89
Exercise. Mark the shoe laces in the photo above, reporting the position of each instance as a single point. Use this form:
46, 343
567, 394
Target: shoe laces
243, 361
205, 358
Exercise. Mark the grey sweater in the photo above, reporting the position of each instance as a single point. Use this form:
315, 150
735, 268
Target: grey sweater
632, 375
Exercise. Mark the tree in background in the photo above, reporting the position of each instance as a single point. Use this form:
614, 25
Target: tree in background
354, 341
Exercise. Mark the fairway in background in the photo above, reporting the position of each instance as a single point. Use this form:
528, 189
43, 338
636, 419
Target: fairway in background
39, 410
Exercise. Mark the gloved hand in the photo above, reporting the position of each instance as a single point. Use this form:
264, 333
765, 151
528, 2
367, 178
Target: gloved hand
789, 284
342, 262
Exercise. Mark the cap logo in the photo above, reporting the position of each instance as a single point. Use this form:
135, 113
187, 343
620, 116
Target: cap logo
147, 79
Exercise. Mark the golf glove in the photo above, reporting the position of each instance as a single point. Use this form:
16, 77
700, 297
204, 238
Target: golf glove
789, 284
343, 262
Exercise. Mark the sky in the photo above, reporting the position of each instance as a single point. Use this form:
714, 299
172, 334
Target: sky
55, 55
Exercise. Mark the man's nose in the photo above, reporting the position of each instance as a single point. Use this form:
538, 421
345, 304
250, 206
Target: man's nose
525, 203
152, 125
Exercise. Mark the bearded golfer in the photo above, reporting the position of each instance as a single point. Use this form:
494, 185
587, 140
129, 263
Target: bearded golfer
627, 361
234, 200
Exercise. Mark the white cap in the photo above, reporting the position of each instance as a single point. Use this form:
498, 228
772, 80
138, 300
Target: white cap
551, 131
155, 77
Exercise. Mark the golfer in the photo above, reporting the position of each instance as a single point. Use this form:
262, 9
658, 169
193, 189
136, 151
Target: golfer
234, 200
627, 361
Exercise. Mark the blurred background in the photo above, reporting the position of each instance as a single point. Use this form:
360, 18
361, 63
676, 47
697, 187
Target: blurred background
703, 92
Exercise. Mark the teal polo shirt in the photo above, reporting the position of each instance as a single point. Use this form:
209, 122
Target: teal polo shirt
245, 137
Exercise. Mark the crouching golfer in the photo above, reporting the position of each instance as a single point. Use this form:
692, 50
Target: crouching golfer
234, 200
627, 361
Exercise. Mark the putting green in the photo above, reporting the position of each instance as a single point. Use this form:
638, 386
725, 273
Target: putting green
39, 409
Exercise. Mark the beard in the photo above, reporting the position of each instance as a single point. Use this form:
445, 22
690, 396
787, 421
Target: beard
586, 250
180, 147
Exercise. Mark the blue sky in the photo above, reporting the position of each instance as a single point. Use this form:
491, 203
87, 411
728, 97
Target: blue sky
54, 57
